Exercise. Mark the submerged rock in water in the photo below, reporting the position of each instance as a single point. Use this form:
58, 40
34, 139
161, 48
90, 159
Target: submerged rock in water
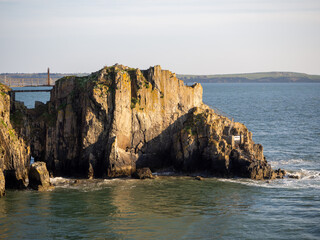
294, 176
199, 178
143, 173
2, 184
120, 119
39, 177
279, 173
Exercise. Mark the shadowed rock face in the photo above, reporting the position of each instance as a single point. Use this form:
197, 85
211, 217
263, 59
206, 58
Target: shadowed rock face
206, 143
14, 152
119, 119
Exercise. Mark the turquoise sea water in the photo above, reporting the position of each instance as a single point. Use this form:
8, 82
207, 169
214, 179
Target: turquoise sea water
30, 98
284, 118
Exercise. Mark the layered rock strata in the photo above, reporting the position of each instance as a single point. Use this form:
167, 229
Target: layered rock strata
14, 152
120, 119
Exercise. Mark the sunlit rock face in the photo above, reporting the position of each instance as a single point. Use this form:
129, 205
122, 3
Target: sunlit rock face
2, 184
39, 177
14, 152
120, 119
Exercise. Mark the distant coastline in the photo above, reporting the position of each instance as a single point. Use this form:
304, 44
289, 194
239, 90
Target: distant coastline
261, 77
36, 79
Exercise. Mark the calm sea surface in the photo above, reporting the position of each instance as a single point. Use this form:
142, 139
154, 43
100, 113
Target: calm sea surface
284, 118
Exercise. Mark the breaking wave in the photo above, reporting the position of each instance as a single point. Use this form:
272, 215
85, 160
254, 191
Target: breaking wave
301, 173
86, 185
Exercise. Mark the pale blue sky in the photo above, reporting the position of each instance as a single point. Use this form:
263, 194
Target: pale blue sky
184, 36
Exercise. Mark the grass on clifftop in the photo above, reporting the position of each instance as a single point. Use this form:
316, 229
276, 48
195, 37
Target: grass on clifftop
3, 89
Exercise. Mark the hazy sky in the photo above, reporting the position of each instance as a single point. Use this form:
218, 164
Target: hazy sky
184, 36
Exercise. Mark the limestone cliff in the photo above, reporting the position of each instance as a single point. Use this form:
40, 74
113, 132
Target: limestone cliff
118, 119
14, 153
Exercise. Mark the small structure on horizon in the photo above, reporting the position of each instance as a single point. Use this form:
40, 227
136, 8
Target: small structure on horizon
48, 77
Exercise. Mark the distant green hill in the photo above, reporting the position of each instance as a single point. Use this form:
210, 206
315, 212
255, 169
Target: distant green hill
262, 77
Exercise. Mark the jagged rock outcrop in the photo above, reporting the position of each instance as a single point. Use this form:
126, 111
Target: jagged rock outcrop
143, 173
120, 119
199, 178
14, 152
206, 142
39, 177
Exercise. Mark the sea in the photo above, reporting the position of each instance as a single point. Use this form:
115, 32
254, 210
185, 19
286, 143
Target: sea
283, 117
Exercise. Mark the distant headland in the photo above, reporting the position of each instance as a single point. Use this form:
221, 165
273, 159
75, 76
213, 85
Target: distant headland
36, 79
259, 77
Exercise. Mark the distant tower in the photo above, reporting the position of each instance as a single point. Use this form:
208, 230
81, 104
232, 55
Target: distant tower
48, 77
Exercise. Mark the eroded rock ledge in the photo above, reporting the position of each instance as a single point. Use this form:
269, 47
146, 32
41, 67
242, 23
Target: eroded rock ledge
120, 119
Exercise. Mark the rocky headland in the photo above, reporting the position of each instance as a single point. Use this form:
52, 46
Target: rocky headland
119, 119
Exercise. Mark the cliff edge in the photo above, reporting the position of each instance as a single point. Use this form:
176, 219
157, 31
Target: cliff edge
14, 152
120, 119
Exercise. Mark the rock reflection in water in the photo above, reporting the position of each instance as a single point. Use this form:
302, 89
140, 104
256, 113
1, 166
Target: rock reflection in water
175, 207
167, 208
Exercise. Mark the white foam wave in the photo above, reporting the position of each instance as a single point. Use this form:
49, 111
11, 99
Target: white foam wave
294, 180
59, 180
87, 185
81, 184
294, 164
308, 174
